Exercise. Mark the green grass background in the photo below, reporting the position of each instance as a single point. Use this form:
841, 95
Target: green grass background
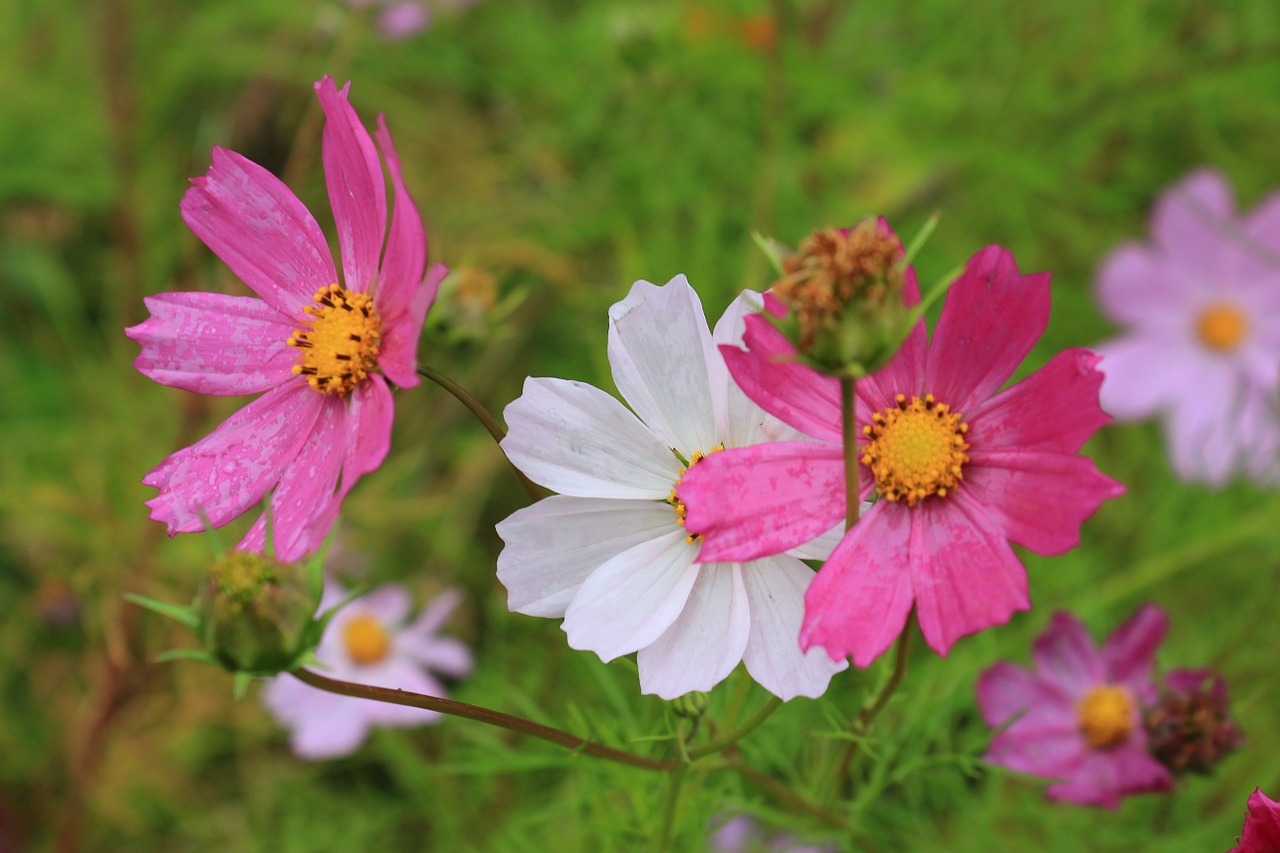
559, 151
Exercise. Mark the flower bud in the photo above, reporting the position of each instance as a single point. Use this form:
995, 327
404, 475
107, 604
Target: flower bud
1190, 730
256, 612
691, 706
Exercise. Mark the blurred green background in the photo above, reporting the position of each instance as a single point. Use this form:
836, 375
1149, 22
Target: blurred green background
559, 151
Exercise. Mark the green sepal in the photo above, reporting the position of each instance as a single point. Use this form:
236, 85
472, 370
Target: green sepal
186, 654
774, 250
240, 685
186, 614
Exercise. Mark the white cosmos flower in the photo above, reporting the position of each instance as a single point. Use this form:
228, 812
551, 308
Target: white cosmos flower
608, 554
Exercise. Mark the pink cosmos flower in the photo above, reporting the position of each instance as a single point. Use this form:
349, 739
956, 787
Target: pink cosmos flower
1080, 711
369, 641
313, 345
958, 466
1261, 833
1201, 345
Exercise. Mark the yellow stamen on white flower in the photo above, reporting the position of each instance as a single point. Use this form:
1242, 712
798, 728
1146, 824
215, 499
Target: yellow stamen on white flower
681, 509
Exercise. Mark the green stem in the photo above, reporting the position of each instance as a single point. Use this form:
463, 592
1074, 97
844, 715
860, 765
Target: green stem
752, 723
482, 414
862, 724
669, 811
482, 715
849, 431
782, 793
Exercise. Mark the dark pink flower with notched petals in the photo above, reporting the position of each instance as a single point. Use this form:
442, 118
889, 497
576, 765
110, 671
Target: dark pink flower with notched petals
959, 468
319, 346
1261, 833
1078, 716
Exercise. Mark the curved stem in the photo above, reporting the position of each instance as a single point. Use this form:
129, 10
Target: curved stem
482, 414
849, 432
869, 711
753, 722
482, 715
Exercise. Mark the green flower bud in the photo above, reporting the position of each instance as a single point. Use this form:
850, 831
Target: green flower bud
691, 705
255, 613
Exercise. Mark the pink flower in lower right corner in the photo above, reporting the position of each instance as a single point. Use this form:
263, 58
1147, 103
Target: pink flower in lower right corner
1077, 717
1261, 833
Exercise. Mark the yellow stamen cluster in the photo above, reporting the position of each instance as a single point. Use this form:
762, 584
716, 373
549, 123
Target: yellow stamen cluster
681, 509
343, 343
366, 640
1105, 716
916, 449
1222, 327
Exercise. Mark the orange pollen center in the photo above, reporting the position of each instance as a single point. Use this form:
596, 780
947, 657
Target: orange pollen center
916, 449
342, 344
681, 509
366, 640
1105, 716
1222, 327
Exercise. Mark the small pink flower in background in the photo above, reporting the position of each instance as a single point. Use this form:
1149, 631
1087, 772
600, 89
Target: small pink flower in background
1201, 345
401, 20
1078, 716
1261, 833
610, 554
369, 641
743, 834
958, 465
313, 345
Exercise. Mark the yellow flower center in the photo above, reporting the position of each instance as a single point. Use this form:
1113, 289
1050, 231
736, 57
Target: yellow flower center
366, 640
1222, 327
1105, 716
342, 345
916, 449
681, 509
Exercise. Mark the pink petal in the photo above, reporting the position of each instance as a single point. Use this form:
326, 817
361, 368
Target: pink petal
229, 470
1051, 752
1261, 833
1056, 408
1193, 219
1129, 653
389, 604
858, 603
1136, 286
753, 501
357, 190
1005, 690
1103, 778
1037, 499
259, 229
444, 655
1065, 655
369, 417
434, 615
966, 578
992, 317
904, 374
401, 20
405, 259
211, 343
1144, 375
399, 357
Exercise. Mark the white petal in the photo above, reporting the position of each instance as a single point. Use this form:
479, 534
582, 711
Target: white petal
552, 546
628, 602
706, 642
775, 588
660, 349
575, 439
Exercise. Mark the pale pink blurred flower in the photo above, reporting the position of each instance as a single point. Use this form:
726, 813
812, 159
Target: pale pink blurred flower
609, 553
959, 467
1201, 346
744, 834
312, 345
1261, 833
1077, 717
401, 19
369, 641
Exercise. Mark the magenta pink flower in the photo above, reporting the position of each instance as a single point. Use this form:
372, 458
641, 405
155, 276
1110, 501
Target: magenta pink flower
1261, 833
958, 466
312, 344
1078, 716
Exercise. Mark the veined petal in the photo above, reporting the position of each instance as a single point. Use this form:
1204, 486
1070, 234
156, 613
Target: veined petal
577, 440
357, 191
965, 575
211, 343
632, 599
1065, 655
228, 471
405, 258
745, 423
555, 544
259, 229
775, 589
992, 317
1056, 408
1130, 652
399, 356
706, 640
660, 350
1193, 218
753, 501
369, 417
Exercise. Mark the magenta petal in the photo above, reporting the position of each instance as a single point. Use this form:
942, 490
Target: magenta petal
405, 259
992, 317
229, 470
755, 501
357, 190
1052, 752
259, 229
1130, 651
1056, 408
965, 575
1065, 655
859, 601
1005, 690
1038, 499
399, 358
211, 343
370, 413
790, 391
1104, 778
1261, 832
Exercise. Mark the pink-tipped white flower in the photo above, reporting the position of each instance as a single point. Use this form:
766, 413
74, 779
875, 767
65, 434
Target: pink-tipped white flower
1201, 346
1078, 716
314, 345
369, 641
609, 554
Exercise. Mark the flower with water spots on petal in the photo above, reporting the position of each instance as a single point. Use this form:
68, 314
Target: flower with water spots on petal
322, 346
